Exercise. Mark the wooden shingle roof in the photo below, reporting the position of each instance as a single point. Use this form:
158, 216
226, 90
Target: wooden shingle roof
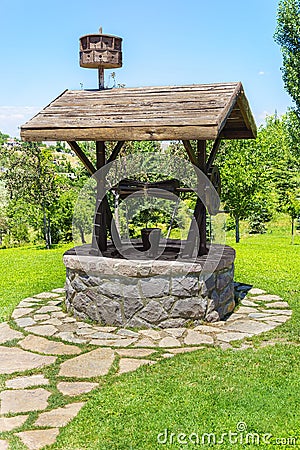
203, 111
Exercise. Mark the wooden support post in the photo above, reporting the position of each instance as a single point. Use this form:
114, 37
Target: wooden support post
200, 209
99, 241
101, 78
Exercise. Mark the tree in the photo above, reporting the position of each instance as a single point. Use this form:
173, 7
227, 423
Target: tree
30, 176
242, 179
287, 36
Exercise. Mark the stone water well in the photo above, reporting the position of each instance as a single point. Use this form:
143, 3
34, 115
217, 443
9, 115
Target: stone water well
112, 286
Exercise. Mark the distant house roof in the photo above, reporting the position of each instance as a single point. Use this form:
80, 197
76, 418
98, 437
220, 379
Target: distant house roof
203, 111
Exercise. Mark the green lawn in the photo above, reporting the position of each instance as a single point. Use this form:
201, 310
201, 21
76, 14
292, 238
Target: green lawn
26, 271
208, 391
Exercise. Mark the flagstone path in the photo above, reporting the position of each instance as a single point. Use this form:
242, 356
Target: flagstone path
46, 353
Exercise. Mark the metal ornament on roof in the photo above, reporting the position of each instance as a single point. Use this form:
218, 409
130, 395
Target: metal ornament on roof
100, 51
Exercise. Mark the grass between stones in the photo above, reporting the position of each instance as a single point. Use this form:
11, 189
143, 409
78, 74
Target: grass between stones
207, 391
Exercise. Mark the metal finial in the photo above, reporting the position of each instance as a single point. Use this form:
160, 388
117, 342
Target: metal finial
100, 30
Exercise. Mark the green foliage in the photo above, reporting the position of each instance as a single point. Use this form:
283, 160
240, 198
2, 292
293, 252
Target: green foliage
287, 36
38, 194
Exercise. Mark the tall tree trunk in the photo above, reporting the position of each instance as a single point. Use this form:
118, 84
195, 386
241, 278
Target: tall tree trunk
49, 232
237, 230
81, 231
46, 234
293, 230
45, 229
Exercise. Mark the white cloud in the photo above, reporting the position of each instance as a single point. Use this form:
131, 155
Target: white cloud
261, 72
12, 117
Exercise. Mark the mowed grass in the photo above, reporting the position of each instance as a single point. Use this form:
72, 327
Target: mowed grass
26, 271
208, 391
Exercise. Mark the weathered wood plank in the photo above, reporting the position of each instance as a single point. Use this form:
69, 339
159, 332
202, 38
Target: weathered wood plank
155, 113
157, 133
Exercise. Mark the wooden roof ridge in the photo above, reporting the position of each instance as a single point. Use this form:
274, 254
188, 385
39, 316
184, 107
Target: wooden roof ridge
197, 111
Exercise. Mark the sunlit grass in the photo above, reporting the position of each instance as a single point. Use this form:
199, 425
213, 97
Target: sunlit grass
26, 271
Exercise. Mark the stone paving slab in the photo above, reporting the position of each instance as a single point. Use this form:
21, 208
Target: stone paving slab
130, 364
145, 343
27, 381
16, 360
10, 423
232, 336
8, 334
19, 400
169, 341
46, 295
285, 312
4, 444
25, 322
135, 352
74, 388
277, 305
197, 338
177, 351
20, 312
249, 326
42, 330
267, 298
59, 417
113, 342
256, 291
38, 439
48, 347
91, 364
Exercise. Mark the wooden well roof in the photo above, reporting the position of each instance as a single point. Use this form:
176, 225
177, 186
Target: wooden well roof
203, 111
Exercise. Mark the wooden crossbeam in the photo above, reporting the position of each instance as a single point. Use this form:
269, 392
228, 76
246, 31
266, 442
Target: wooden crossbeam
82, 156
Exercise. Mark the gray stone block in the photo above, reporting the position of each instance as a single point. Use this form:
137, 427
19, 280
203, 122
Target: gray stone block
112, 289
224, 279
154, 287
131, 291
172, 323
153, 313
212, 317
185, 286
132, 306
167, 303
190, 308
227, 295
213, 302
137, 322
109, 311
208, 285
78, 284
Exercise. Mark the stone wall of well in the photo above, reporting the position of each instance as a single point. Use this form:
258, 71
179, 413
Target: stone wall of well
142, 294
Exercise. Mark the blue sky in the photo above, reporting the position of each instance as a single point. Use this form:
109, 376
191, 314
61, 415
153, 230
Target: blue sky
164, 43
